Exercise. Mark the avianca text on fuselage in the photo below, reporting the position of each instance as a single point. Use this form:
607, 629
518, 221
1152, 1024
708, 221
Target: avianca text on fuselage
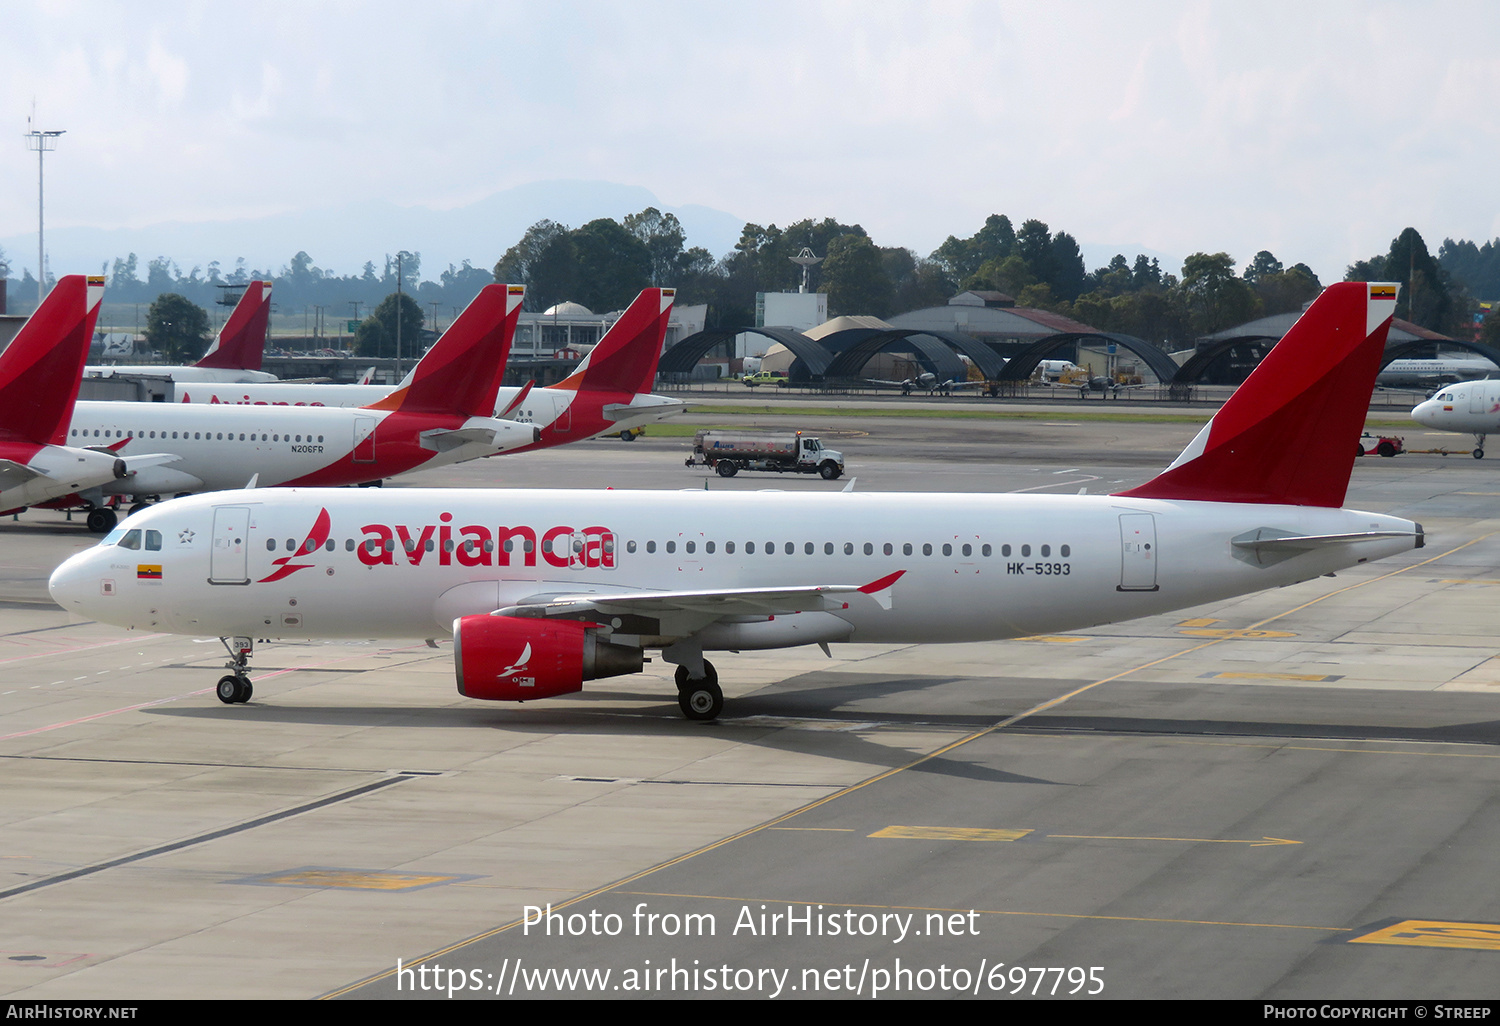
483, 545
245, 400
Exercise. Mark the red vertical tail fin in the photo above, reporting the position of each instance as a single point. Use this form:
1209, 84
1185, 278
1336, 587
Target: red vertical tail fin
41, 369
241, 343
461, 372
1288, 434
625, 358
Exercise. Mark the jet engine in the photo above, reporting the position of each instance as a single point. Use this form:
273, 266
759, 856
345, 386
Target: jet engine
515, 659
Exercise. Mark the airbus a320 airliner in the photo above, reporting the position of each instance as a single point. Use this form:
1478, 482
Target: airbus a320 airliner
543, 590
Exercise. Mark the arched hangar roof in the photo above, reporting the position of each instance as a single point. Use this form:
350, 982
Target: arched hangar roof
1023, 363
684, 356
1196, 365
935, 350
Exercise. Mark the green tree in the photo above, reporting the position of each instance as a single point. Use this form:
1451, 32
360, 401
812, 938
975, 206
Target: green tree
961, 259
663, 237
1427, 296
124, 273
1065, 270
376, 335
1263, 264
177, 328
855, 278
543, 262
613, 265
1215, 297
1034, 245
1010, 275
1289, 290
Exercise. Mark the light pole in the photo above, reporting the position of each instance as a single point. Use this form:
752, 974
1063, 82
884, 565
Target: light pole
41, 142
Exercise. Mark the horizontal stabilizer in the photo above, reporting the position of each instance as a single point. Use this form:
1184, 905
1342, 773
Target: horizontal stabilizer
13, 474
444, 440
1267, 546
135, 464
643, 405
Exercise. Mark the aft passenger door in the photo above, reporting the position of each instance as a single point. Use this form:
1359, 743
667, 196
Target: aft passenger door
364, 439
1137, 552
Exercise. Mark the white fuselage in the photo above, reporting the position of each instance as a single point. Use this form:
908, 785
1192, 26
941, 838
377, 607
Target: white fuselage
1417, 372
974, 567
222, 375
542, 406
1471, 407
224, 446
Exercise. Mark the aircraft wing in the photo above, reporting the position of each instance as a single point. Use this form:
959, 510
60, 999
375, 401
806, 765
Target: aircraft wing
680, 613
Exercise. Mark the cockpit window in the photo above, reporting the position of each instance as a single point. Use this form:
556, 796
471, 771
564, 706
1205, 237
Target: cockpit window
153, 541
132, 540
113, 538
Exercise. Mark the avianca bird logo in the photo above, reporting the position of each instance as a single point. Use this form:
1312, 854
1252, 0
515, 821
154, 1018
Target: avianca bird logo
314, 541
520, 665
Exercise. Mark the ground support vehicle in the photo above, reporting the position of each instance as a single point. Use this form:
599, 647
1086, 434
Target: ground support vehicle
729, 452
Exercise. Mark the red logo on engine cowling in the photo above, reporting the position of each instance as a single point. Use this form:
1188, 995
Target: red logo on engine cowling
314, 541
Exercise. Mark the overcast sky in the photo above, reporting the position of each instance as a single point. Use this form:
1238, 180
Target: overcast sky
1317, 130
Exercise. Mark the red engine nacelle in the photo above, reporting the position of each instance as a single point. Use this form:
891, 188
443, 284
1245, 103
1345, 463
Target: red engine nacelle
515, 659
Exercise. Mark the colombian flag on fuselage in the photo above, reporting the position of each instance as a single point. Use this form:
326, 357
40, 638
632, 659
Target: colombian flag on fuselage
148, 571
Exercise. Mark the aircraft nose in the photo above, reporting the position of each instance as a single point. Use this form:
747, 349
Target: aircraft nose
77, 582
1424, 412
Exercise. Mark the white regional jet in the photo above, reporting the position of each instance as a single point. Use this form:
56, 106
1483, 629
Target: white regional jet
442, 416
235, 354
609, 392
1472, 407
39, 379
544, 590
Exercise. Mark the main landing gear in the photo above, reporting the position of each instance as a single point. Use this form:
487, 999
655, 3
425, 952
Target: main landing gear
235, 688
700, 699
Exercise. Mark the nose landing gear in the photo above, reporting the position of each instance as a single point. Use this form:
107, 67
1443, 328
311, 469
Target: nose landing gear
235, 688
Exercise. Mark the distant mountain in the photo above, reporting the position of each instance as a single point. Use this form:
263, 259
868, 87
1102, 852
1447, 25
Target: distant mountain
341, 239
